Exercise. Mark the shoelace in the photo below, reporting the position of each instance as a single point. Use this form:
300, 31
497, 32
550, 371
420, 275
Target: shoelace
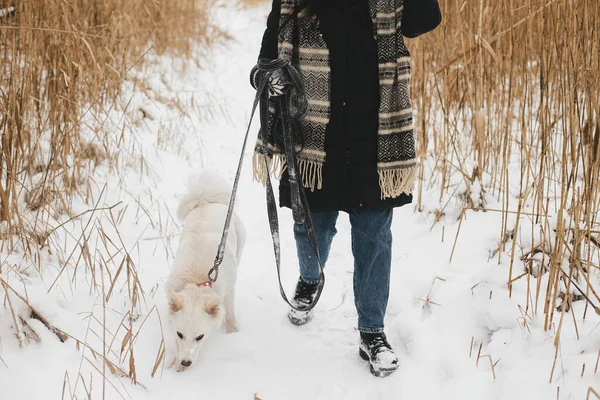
378, 344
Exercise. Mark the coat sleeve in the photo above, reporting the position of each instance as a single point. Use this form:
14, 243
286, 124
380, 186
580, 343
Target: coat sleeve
269, 45
420, 17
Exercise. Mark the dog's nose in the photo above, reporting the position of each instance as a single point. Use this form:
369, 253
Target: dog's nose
186, 363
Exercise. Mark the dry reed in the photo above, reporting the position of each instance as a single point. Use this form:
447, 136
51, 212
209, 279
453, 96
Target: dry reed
62, 62
517, 83
498, 82
62, 68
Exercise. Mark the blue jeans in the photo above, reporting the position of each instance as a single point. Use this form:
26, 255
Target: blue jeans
372, 250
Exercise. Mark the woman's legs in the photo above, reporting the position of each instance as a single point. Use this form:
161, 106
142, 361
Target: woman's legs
372, 249
324, 227
306, 288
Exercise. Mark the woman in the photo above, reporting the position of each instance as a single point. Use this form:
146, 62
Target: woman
357, 153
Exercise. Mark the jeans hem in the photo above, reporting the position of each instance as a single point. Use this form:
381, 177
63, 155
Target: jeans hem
309, 282
370, 330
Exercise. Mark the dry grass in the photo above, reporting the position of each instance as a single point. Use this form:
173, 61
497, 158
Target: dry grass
500, 82
62, 67
252, 3
510, 83
62, 62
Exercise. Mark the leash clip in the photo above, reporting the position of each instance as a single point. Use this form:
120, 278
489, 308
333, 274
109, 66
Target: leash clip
213, 274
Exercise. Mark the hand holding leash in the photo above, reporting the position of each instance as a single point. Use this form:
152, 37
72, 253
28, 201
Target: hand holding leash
277, 81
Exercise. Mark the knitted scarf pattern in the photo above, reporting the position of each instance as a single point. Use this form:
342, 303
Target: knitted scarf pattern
301, 43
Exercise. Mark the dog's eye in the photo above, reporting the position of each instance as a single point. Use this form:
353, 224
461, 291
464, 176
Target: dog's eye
199, 338
180, 335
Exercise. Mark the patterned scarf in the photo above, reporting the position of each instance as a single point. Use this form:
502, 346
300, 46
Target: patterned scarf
301, 43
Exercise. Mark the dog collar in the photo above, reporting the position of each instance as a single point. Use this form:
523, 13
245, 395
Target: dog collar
204, 284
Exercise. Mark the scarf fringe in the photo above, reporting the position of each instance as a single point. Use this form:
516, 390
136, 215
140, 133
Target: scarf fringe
312, 174
394, 182
310, 171
261, 170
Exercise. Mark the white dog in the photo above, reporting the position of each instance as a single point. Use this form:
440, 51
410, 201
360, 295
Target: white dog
197, 308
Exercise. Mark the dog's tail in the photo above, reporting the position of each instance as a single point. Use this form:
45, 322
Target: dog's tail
205, 188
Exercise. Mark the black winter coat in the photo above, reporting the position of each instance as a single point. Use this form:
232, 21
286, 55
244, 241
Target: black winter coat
350, 179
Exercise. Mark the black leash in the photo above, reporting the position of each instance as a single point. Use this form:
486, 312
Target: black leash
293, 106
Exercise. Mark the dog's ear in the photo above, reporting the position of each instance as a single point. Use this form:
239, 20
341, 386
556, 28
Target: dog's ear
213, 306
175, 302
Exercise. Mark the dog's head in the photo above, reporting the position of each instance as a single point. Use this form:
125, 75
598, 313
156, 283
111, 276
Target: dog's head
194, 313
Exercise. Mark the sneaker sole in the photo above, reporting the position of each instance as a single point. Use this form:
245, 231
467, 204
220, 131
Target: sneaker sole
379, 373
300, 321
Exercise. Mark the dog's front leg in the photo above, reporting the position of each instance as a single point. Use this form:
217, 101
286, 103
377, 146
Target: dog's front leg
230, 322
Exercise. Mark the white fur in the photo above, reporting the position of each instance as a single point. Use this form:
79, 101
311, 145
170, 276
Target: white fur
196, 311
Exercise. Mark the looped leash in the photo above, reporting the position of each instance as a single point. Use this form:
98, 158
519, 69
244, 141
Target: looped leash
293, 106
213, 274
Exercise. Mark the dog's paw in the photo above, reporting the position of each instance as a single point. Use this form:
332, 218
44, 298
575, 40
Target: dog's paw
180, 368
231, 328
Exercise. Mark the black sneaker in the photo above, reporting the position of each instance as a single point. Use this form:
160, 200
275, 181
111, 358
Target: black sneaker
375, 349
305, 295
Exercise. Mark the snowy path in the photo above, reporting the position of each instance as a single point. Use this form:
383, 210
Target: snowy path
437, 342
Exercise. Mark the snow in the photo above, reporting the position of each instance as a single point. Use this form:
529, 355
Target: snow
457, 332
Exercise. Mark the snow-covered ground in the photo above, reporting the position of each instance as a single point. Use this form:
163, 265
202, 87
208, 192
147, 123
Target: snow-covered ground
449, 321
